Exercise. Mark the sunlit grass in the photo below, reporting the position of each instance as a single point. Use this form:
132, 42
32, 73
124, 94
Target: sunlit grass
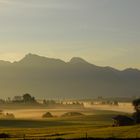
98, 125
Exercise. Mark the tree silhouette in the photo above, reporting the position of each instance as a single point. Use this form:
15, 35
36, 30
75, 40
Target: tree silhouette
136, 115
136, 104
27, 98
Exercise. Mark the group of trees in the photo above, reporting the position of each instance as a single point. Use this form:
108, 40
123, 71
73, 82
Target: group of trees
26, 98
122, 120
49, 102
110, 103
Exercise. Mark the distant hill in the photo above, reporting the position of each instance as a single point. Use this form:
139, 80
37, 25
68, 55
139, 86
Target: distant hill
54, 78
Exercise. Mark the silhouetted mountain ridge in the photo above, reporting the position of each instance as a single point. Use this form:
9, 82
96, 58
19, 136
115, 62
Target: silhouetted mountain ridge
76, 60
54, 78
34, 59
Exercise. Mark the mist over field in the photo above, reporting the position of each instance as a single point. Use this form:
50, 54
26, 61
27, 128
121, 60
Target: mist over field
69, 69
34, 114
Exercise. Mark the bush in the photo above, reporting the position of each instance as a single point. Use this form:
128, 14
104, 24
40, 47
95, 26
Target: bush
3, 135
10, 116
72, 114
47, 115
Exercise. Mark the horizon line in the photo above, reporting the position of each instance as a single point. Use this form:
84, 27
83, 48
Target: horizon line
27, 54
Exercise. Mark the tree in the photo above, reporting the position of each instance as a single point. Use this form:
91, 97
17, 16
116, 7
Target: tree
44, 102
116, 103
136, 115
136, 104
17, 99
27, 98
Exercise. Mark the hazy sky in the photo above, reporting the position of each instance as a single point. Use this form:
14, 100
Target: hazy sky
104, 32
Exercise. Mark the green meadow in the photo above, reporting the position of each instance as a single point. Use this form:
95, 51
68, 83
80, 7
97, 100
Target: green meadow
98, 125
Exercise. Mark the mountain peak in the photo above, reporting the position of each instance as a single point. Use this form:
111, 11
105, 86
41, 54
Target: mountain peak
75, 60
30, 55
131, 70
33, 59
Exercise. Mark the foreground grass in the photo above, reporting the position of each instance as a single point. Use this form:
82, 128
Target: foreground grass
96, 126
72, 132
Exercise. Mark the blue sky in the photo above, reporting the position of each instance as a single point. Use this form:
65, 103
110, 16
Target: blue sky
104, 32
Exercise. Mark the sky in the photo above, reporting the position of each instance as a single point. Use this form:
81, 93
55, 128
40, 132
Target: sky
104, 32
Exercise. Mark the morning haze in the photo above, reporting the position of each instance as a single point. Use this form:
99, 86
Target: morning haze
104, 32
55, 78
69, 69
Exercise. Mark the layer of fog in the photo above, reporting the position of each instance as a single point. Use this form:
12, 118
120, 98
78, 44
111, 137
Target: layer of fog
122, 107
89, 110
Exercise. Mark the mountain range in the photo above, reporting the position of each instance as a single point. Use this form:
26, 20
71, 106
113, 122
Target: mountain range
53, 78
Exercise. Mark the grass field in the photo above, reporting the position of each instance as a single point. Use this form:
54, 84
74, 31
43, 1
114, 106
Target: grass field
98, 125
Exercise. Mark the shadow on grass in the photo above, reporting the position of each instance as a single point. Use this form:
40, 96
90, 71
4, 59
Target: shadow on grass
100, 139
4, 135
32, 123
